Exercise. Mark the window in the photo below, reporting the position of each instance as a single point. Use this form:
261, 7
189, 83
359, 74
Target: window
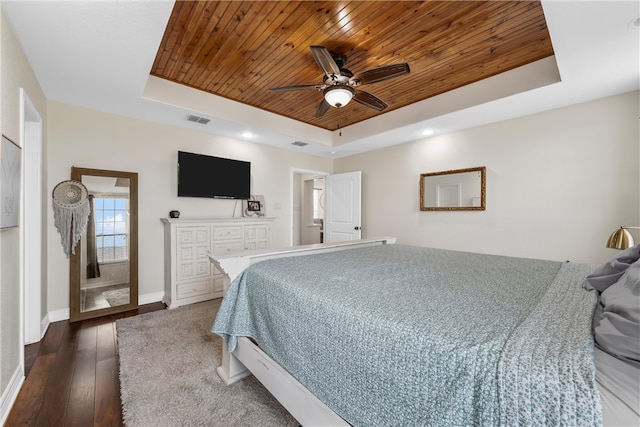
111, 228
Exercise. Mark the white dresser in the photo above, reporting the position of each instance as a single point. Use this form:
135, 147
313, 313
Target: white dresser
189, 276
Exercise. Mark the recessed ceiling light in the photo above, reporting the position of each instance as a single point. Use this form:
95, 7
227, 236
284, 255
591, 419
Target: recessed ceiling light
247, 134
426, 132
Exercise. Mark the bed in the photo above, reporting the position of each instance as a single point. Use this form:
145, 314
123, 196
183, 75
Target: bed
373, 333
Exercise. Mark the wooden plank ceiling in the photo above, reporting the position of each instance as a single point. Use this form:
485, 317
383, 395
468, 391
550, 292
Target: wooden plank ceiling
240, 49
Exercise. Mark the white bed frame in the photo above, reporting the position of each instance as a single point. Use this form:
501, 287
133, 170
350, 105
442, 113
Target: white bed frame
248, 358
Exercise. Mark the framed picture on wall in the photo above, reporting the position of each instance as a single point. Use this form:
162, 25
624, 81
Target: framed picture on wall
11, 163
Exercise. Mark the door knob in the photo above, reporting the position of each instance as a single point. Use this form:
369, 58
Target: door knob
356, 228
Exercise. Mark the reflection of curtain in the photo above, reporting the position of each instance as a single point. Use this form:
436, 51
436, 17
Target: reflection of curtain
93, 268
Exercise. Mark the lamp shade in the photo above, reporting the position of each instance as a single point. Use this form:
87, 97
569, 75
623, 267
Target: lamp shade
338, 95
620, 239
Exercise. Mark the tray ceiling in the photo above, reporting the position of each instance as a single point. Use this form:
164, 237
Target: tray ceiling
240, 49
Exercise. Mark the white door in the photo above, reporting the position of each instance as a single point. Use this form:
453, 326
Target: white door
342, 207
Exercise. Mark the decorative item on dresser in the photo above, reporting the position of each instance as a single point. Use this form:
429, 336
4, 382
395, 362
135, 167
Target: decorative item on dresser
189, 276
254, 206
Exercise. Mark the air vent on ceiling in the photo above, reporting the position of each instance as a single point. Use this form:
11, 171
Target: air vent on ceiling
122, 182
299, 143
197, 119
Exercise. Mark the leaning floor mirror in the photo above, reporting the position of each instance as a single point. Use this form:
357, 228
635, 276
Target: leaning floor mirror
104, 267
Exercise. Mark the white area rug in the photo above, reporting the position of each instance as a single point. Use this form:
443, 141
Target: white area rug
167, 374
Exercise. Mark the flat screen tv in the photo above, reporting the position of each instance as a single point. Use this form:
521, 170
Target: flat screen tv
200, 175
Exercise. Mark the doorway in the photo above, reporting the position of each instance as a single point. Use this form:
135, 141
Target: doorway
343, 207
32, 258
307, 201
333, 206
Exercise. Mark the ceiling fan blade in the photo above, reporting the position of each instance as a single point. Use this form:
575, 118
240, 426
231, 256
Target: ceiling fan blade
325, 60
381, 73
299, 87
371, 101
322, 108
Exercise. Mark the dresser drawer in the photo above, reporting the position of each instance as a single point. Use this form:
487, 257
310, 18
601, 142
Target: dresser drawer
228, 232
218, 283
224, 248
193, 253
253, 232
192, 270
192, 235
192, 289
258, 244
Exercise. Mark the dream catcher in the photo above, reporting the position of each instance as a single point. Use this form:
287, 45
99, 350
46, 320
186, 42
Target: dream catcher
71, 209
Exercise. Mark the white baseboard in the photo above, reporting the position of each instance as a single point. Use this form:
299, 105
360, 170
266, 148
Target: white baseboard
63, 314
11, 393
44, 325
150, 298
58, 315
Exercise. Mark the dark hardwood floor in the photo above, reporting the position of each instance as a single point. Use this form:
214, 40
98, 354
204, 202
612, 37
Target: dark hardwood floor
72, 375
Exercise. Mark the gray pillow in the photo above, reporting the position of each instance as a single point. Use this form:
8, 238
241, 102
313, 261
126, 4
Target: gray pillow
618, 332
609, 272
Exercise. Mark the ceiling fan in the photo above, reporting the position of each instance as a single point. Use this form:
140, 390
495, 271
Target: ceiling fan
338, 84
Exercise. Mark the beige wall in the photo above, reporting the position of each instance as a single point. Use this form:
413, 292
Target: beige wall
15, 73
93, 139
558, 183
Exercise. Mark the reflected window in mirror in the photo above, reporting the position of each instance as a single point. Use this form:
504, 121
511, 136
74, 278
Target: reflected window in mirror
453, 190
111, 223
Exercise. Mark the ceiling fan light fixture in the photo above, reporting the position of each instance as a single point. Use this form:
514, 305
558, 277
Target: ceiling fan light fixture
339, 95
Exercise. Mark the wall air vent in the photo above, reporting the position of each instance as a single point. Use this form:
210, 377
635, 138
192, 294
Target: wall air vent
299, 143
122, 182
197, 119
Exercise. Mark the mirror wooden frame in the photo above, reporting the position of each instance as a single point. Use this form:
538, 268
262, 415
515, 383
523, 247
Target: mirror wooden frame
75, 314
483, 183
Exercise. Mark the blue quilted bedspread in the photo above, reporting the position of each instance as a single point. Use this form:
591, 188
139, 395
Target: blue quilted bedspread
399, 335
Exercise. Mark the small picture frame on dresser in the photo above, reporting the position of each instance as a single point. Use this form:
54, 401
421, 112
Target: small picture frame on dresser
254, 206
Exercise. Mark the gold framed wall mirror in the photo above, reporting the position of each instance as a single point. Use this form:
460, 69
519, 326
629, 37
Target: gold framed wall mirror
454, 190
104, 268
